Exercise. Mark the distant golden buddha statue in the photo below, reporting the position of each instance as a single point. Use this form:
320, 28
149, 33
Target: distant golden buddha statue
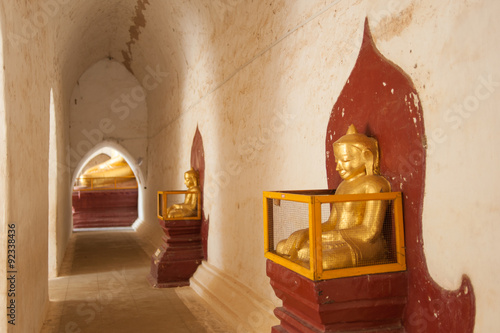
353, 233
190, 206
116, 169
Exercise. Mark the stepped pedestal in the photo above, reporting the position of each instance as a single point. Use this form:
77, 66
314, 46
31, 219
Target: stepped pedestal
177, 259
369, 303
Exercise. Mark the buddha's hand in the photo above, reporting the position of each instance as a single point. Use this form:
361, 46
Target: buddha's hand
331, 236
292, 244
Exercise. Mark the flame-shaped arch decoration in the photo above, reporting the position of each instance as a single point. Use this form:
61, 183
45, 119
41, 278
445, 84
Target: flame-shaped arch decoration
198, 163
381, 101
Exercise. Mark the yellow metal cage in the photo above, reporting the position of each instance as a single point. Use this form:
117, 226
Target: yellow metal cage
163, 203
289, 211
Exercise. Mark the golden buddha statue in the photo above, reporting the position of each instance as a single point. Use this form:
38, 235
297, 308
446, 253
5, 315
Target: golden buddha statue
116, 169
352, 235
190, 206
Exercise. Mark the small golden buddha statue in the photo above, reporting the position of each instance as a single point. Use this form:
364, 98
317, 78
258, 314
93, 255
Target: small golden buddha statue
190, 206
352, 235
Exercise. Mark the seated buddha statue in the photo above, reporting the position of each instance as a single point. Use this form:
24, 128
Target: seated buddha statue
352, 235
190, 206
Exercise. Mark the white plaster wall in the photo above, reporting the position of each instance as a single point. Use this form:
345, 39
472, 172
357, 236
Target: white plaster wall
460, 94
244, 65
108, 104
101, 158
53, 191
262, 109
450, 50
60, 210
26, 98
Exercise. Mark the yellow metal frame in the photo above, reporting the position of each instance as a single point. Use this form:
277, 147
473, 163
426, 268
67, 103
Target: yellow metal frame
164, 206
318, 197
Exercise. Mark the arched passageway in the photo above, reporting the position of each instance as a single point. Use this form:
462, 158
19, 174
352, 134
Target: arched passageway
105, 193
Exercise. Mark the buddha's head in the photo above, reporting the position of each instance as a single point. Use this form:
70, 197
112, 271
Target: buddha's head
191, 178
356, 154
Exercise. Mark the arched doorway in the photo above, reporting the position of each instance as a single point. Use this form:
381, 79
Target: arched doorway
106, 189
105, 193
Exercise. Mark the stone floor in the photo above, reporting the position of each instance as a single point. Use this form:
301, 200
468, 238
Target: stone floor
102, 288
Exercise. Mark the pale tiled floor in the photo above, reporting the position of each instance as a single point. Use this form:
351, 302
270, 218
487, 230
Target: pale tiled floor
102, 288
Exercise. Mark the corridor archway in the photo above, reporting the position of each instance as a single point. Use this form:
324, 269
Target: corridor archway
105, 193
116, 198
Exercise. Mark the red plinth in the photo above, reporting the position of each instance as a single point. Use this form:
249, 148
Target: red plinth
104, 208
179, 256
372, 303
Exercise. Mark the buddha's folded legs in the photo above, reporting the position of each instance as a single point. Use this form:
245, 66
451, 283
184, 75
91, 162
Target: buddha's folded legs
335, 255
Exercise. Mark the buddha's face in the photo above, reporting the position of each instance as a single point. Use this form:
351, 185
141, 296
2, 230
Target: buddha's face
189, 180
350, 161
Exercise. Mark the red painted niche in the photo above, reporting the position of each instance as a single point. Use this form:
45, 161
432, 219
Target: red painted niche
380, 99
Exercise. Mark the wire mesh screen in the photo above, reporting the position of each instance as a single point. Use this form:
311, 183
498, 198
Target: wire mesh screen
175, 198
364, 231
389, 232
160, 204
365, 236
175, 205
286, 217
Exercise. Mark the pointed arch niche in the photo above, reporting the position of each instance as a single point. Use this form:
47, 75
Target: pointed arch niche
380, 99
112, 149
